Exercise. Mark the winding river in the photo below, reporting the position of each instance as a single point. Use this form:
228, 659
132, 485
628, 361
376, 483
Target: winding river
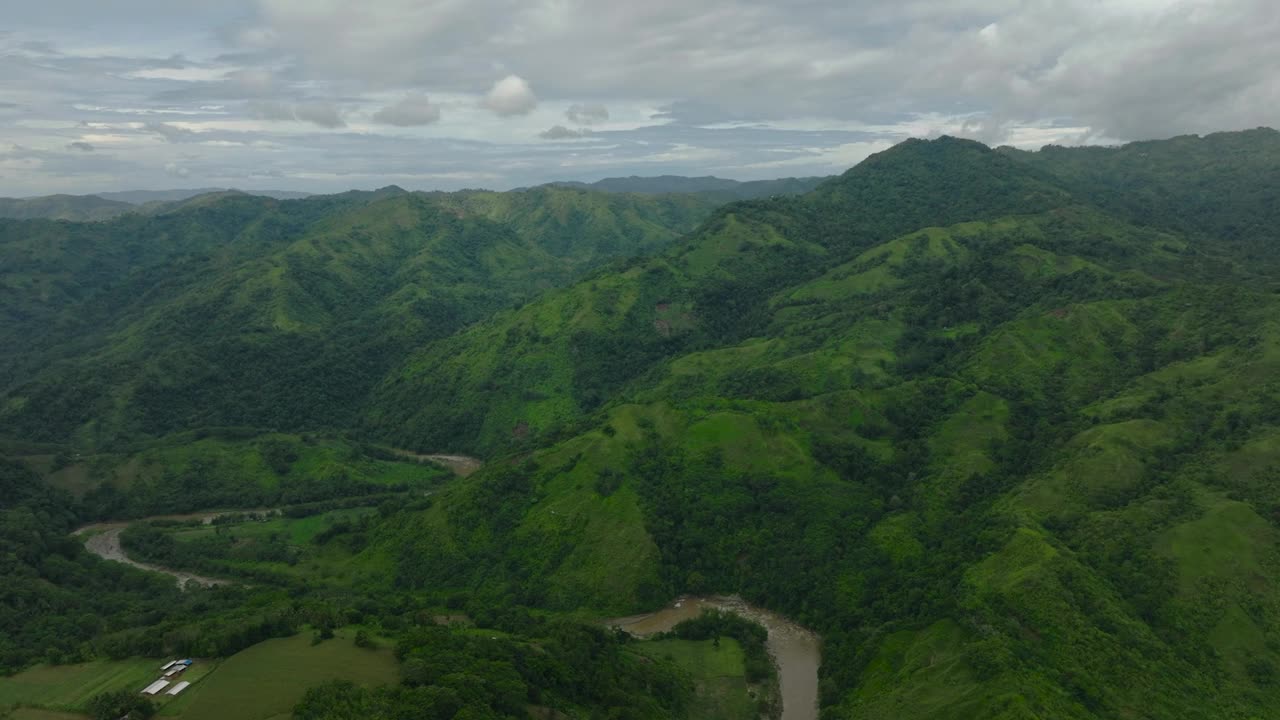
104, 541
104, 538
796, 651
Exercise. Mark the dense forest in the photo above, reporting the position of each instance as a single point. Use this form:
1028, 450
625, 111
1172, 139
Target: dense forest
1002, 427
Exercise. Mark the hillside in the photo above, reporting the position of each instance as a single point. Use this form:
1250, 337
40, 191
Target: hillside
239, 310
995, 442
80, 208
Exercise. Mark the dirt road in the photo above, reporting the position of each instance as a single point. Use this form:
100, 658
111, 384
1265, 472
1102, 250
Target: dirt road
461, 465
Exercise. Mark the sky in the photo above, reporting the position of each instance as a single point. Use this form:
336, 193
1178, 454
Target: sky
328, 95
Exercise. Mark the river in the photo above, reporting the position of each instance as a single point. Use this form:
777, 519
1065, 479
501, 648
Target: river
104, 541
797, 652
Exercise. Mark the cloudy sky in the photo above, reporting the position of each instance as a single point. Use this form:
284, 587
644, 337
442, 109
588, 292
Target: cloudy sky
325, 95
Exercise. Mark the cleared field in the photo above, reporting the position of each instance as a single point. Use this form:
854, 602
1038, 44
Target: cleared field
718, 674
37, 714
267, 680
69, 687
298, 531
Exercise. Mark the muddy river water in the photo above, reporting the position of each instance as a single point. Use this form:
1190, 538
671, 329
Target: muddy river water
104, 541
796, 651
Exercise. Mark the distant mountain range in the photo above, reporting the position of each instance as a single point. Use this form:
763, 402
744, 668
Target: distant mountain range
107, 205
142, 197
707, 186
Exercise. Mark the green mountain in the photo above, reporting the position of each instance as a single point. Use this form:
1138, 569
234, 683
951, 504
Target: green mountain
1002, 427
241, 310
1006, 447
80, 208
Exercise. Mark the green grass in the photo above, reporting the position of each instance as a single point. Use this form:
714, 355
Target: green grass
267, 680
298, 531
69, 687
39, 714
721, 688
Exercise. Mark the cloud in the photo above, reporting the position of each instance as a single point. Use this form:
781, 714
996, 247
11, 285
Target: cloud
176, 170
81, 146
560, 132
587, 114
317, 112
413, 109
741, 88
511, 96
171, 133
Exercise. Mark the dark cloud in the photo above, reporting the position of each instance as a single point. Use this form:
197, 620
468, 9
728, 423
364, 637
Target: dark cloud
413, 109
171, 133
318, 112
560, 132
81, 146
587, 114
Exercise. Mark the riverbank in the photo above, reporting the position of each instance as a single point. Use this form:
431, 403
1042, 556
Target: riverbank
796, 651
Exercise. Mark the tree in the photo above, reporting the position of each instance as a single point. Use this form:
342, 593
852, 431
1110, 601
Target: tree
121, 703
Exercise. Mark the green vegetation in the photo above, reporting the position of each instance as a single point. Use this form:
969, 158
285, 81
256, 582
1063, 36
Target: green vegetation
268, 679
721, 692
571, 669
71, 687
234, 310
1003, 428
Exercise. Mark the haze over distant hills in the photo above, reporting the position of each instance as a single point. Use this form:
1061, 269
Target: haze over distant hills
106, 205
707, 185
142, 197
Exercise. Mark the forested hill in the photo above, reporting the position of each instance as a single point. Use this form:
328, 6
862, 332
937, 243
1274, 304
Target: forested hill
241, 310
1006, 440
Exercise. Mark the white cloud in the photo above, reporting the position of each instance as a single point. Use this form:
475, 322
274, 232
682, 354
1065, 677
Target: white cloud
511, 96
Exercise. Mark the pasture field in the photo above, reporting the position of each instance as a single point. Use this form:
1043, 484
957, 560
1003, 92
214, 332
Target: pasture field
719, 675
265, 681
69, 687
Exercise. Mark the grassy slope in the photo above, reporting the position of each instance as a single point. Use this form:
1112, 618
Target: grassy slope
267, 680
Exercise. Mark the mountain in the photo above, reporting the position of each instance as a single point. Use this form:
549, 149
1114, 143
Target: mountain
711, 187
235, 309
108, 205
143, 197
1007, 447
1001, 427
80, 208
